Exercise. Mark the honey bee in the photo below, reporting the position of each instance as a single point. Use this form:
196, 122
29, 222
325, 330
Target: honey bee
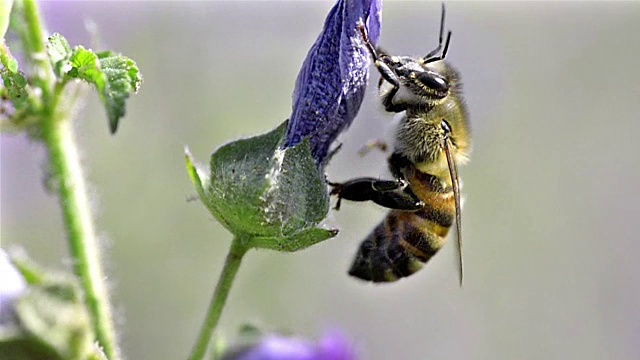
431, 138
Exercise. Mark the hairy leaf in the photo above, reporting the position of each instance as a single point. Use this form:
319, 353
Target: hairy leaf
115, 76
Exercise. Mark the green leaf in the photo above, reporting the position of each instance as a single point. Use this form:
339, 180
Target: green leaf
85, 66
59, 53
52, 321
122, 78
271, 196
14, 82
115, 76
58, 48
15, 87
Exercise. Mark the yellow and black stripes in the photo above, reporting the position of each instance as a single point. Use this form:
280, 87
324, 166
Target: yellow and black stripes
405, 240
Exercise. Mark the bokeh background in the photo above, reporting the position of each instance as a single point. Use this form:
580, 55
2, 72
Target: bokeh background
551, 213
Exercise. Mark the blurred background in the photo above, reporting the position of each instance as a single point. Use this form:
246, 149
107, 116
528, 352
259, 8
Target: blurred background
551, 192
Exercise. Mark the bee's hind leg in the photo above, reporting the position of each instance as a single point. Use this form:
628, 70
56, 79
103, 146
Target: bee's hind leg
392, 194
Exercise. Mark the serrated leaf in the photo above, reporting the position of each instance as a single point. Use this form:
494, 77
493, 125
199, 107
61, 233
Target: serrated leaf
272, 197
87, 67
115, 77
105, 54
122, 79
59, 53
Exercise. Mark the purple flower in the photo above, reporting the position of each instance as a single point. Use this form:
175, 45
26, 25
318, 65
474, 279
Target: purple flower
331, 84
332, 346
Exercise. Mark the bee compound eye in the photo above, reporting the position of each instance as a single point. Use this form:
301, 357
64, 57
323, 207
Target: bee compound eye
433, 81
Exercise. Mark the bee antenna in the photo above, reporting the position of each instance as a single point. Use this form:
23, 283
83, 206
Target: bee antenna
446, 46
431, 56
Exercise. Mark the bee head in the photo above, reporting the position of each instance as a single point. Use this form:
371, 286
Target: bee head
413, 83
419, 83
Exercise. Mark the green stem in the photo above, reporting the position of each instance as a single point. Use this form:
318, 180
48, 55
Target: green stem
34, 46
231, 265
68, 182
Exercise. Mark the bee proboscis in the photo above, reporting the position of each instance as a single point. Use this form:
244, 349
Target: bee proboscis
431, 138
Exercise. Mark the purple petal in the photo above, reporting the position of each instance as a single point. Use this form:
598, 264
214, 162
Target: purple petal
333, 346
280, 348
332, 81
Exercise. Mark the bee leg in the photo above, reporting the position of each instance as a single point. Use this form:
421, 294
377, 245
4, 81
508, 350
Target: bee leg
379, 59
389, 106
398, 162
392, 194
388, 75
333, 152
400, 199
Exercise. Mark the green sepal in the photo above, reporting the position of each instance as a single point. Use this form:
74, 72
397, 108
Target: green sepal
269, 196
295, 242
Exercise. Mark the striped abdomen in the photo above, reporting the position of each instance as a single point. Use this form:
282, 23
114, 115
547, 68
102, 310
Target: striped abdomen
404, 241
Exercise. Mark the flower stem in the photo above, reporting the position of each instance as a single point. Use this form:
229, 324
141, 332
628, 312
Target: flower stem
68, 182
231, 265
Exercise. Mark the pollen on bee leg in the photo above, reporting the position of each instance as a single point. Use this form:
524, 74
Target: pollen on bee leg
389, 276
415, 265
373, 144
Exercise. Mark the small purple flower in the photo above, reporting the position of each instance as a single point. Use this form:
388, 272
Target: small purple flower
331, 83
12, 286
332, 346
